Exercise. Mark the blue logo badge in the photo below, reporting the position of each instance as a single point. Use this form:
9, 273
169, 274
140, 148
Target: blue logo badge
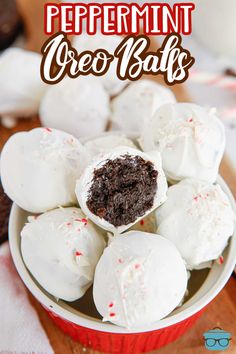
217, 339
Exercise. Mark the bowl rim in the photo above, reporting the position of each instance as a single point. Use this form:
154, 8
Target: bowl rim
98, 325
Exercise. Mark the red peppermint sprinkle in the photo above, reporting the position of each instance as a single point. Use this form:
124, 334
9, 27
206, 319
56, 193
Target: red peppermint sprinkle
112, 314
68, 224
120, 260
195, 198
77, 253
142, 222
48, 130
220, 260
111, 304
137, 266
190, 120
85, 221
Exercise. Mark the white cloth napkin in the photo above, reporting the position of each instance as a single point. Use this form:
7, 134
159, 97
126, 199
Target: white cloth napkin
20, 328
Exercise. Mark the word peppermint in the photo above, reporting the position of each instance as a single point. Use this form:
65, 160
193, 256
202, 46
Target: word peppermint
132, 55
153, 18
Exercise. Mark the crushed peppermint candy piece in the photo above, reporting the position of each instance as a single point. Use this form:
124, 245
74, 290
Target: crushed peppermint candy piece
220, 260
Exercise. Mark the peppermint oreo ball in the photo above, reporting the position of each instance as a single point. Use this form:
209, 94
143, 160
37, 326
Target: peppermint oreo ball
61, 249
121, 187
198, 218
21, 85
190, 139
139, 279
106, 143
39, 169
77, 106
137, 103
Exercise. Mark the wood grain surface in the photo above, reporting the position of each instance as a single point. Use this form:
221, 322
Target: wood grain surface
221, 312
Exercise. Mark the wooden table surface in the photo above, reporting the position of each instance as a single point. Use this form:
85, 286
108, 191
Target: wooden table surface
221, 312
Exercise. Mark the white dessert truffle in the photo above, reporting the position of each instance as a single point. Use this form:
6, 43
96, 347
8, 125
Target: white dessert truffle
106, 143
197, 217
39, 169
147, 279
21, 85
191, 141
77, 106
137, 103
83, 42
61, 249
120, 188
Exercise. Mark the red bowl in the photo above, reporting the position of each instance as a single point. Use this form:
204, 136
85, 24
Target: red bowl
109, 338
116, 343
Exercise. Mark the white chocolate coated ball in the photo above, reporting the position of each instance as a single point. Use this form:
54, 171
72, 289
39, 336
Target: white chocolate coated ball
84, 184
137, 103
139, 279
77, 106
61, 249
21, 85
39, 169
106, 143
198, 218
191, 141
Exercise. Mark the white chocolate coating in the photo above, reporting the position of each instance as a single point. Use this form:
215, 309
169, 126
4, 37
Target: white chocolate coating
84, 184
110, 81
146, 280
77, 106
61, 249
39, 169
21, 85
106, 143
191, 141
137, 103
198, 219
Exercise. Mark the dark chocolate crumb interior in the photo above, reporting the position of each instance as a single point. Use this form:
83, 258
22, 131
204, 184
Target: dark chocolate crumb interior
123, 189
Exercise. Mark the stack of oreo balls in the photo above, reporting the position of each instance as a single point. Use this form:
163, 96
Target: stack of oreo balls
86, 202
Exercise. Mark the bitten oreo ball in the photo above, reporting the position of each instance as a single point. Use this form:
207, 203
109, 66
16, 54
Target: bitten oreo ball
10, 23
122, 188
137, 176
